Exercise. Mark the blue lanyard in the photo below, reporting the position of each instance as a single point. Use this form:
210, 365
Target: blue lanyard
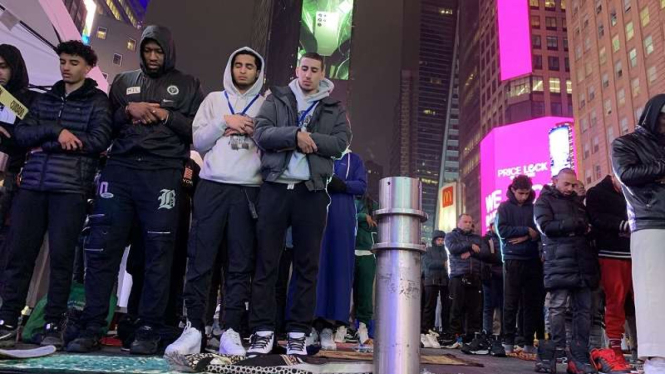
305, 113
244, 111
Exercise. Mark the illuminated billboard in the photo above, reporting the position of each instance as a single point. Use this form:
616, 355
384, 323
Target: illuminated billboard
538, 148
325, 28
449, 206
514, 38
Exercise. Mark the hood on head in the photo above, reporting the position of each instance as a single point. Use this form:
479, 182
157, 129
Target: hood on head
14, 59
163, 37
326, 86
649, 117
231, 88
438, 234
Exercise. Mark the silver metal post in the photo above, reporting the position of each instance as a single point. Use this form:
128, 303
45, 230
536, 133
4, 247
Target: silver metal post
398, 251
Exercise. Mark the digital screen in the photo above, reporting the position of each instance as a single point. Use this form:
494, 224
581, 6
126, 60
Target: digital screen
538, 148
325, 28
514, 38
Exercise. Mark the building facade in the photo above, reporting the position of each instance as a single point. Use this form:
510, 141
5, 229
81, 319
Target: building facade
77, 11
116, 44
618, 63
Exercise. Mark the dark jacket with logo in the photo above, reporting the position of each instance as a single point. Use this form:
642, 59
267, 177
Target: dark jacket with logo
160, 145
434, 261
85, 113
569, 260
276, 131
514, 221
459, 242
609, 220
638, 160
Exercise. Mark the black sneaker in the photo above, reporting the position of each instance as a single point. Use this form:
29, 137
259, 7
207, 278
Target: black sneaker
8, 335
546, 357
579, 360
497, 349
88, 341
53, 335
146, 341
478, 346
446, 339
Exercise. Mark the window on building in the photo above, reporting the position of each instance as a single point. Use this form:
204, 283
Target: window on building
565, 44
580, 75
550, 4
635, 86
585, 22
648, 45
652, 75
569, 86
535, 22
587, 150
550, 23
101, 32
536, 41
588, 69
633, 57
520, 87
597, 172
117, 59
563, 4
553, 63
566, 62
606, 80
556, 109
610, 134
596, 144
624, 126
555, 85
638, 113
588, 176
587, 44
608, 107
582, 101
626, 5
564, 25
131, 44
578, 52
616, 44
591, 93
552, 43
630, 30
537, 108
613, 17
618, 69
594, 118
538, 62
662, 4
601, 31
644, 16
602, 54
599, 7
534, 3
621, 97
585, 124
537, 83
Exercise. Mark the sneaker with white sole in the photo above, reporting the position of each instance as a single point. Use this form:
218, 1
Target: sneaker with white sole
340, 334
188, 343
313, 338
231, 344
363, 333
433, 340
327, 341
296, 344
424, 340
261, 343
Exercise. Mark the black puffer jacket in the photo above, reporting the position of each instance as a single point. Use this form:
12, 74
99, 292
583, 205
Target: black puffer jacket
638, 160
434, 261
459, 242
609, 220
569, 261
162, 145
514, 221
85, 113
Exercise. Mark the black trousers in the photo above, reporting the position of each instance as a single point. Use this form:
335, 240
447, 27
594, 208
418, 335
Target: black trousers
124, 193
221, 213
431, 293
467, 307
33, 214
281, 290
281, 206
523, 282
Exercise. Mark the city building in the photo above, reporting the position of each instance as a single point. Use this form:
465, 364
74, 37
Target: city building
127, 11
78, 12
116, 44
507, 95
618, 60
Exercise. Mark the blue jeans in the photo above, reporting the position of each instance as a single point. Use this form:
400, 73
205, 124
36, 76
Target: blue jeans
492, 300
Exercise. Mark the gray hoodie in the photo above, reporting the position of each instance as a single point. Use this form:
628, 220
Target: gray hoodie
298, 168
228, 159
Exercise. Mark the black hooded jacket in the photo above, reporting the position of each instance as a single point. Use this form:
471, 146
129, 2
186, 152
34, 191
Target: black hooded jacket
459, 242
85, 113
513, 221
638, 160
161, 145
569, 260
609, 220
18, 87
434, 261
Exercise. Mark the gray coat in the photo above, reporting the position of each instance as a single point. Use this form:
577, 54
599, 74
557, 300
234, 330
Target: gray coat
276, 131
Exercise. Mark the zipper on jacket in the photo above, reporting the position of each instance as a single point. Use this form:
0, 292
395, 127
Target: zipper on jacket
48, 155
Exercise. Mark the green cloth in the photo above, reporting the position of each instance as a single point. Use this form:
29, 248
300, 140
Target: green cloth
364, 240
363, 288
88, 364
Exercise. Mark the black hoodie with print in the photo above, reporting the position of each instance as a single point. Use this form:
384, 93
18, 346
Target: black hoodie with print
638, 160
161, 145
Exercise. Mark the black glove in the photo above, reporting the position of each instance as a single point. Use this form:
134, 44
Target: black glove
336, 185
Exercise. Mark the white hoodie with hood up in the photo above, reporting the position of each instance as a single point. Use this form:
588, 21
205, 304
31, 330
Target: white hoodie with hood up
228, 159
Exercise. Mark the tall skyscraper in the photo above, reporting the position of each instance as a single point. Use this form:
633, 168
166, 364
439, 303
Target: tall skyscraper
128, 11
77, 11
618, 60
543, 90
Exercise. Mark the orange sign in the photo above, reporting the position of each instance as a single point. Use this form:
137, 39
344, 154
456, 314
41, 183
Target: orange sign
447, 198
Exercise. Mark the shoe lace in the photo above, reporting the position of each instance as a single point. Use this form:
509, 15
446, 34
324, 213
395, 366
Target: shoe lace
614, 361
296, 344
260, 342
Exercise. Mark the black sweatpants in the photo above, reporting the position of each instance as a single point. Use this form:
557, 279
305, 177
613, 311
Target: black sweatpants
523, 282
467, 306
221, 213
33, 214
429, 310
281, 206
124, 193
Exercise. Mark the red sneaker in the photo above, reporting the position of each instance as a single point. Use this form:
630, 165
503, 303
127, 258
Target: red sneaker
608, 362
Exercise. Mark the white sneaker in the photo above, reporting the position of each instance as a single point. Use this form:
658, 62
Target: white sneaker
313, 338
231, 344
654, 365
296, 344
363, 334
327, 342
340, 334
433, 340
187, 344
262, 343
424, 340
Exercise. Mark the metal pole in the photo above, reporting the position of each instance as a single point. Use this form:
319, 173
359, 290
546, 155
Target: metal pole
398, 251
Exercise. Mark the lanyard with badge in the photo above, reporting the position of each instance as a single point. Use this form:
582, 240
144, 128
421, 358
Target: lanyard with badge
301, 119
244, 111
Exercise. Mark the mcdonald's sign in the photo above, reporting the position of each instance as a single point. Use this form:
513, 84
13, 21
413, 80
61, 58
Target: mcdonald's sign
447, 197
